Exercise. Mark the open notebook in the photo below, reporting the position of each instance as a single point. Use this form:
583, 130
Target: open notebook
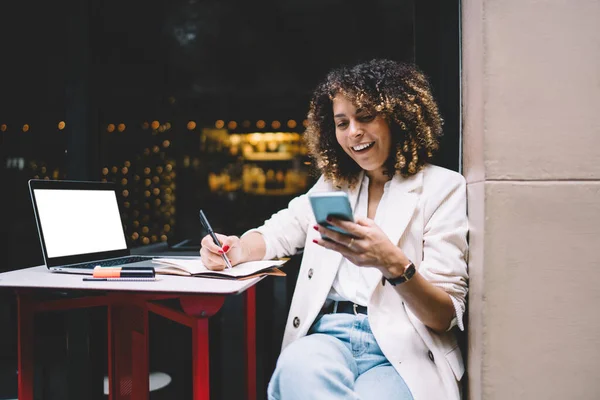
194, 267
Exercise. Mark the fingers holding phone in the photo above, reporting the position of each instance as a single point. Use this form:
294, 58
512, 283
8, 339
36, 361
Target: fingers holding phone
334, 236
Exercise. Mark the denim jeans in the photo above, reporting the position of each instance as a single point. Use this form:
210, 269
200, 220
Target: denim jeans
338, 359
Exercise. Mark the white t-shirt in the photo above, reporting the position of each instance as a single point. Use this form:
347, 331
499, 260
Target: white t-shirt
350, 283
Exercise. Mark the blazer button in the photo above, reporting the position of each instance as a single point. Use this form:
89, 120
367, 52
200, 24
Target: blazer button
296, 322
430, 354
310, 273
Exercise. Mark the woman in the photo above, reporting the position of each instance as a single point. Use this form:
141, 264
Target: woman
371, 317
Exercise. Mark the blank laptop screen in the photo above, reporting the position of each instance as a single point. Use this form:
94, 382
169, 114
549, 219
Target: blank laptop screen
77, 222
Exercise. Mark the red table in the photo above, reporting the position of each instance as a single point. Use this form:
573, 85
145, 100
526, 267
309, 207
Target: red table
128, 305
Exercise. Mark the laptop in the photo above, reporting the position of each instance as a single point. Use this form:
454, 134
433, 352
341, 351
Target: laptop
80, 226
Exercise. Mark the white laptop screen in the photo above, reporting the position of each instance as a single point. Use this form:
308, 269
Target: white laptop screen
77, 222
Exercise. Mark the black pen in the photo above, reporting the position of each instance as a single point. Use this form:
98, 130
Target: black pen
207, 226
118, 279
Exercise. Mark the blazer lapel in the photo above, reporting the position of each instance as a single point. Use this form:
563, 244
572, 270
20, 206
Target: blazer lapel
400, 205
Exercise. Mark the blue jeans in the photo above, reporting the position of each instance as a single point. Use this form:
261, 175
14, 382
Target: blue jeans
338, 359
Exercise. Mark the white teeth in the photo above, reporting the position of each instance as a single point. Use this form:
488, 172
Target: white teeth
362, 146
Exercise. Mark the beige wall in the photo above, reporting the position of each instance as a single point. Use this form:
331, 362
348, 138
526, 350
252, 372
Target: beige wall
531, 109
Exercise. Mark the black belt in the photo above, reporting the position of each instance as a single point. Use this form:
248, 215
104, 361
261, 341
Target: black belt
346, 307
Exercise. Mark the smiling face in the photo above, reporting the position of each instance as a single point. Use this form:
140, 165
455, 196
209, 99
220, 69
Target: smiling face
364, 136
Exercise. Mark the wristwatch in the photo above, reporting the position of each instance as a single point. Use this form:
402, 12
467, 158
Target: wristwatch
409, 272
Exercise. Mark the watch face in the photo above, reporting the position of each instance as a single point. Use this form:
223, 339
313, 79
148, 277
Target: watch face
409, 272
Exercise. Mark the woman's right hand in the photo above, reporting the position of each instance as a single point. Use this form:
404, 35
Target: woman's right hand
212, 254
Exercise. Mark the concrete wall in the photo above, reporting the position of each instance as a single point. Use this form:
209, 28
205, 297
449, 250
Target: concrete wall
531, 109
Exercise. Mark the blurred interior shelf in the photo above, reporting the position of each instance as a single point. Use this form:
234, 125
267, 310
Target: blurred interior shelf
266, 156
273, 192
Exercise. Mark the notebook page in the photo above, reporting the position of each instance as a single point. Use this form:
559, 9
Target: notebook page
196, 267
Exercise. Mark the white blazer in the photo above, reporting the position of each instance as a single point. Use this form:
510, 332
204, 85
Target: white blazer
425, 215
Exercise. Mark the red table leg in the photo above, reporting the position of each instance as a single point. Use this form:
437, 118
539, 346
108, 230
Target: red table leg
141, 360
25, 351
250, 327
201, 308
128, 352
200, 360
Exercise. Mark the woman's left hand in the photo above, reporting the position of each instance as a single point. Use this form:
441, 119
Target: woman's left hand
370, 246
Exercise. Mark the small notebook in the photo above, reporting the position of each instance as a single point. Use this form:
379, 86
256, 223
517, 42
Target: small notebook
194, 267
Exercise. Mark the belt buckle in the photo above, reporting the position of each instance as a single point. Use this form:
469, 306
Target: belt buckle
354, 307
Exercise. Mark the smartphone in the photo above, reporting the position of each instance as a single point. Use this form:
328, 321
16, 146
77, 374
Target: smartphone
331, 204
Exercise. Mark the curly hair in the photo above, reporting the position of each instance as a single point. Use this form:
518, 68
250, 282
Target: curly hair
397, 91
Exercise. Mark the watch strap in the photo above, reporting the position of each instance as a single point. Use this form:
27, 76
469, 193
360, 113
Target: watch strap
409, 272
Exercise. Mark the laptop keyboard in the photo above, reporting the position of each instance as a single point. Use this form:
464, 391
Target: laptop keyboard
111, 263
